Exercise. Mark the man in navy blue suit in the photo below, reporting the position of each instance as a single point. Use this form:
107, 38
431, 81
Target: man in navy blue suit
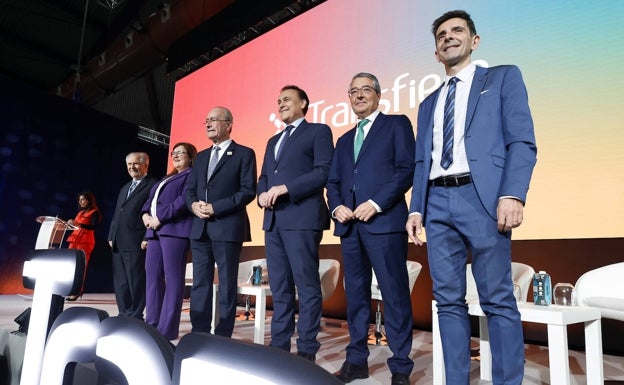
290, 189
370, 173
221, 184
470, 185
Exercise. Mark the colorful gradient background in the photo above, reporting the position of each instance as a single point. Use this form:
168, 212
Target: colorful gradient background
570, 53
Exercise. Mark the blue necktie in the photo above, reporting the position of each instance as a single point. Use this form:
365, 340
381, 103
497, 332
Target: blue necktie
449, 125
132, 187
359, 138
284, 142
214, 159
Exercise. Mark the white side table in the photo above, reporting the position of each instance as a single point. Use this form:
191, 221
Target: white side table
260, 292
556, 318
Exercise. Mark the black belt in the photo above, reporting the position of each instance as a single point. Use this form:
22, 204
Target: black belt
451, 180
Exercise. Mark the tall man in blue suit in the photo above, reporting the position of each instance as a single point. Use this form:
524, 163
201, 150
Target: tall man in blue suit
370, 173
221, 184
470, 185
290, 189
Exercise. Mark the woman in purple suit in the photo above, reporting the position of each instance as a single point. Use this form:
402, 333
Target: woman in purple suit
168, 224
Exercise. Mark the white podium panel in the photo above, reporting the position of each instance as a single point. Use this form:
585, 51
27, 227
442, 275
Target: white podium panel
52, 232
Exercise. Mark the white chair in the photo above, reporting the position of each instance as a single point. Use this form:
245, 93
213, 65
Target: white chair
521, 275
188, 281
603, 288
522, 278
329, 270
378, 337
188, 275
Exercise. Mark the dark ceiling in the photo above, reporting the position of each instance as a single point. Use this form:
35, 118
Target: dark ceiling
46, 43
40, 40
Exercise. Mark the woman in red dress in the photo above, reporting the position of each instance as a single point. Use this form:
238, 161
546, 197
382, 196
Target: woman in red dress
83, 238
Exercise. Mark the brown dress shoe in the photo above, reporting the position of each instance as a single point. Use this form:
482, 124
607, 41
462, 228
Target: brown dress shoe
349, 372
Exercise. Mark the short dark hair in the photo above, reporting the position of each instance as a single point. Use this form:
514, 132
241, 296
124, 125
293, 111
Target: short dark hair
451, 15
302, 95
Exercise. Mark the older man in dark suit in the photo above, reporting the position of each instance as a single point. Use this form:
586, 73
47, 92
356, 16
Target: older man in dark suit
126, 236
370, 173
221, 184
290, 190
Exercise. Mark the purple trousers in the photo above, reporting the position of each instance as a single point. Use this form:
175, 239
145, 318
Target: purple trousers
165, 265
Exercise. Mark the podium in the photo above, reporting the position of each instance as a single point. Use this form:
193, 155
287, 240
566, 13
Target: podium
52, 232
52, 272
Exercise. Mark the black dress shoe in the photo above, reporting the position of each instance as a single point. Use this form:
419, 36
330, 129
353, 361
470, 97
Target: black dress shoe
349, 372
399, 379
307, 356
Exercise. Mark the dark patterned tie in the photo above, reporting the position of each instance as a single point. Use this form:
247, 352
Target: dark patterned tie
449, 125
214, 159
132, 187
359, 138
284, 142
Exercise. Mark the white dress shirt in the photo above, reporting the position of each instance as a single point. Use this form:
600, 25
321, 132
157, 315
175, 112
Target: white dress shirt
460, 160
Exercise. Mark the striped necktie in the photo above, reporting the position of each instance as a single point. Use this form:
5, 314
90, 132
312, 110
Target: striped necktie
449, 125
284, 142
132, 187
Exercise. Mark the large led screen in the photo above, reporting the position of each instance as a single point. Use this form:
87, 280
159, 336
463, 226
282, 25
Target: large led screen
570, 53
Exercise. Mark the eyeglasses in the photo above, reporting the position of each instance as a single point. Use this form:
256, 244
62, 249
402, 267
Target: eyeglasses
214, 120
178, 153
366, 91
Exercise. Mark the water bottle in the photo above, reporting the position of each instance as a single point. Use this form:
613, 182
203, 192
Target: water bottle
542, 292
257, 275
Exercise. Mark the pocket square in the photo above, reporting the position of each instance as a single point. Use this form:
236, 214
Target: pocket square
484, 91
229, 153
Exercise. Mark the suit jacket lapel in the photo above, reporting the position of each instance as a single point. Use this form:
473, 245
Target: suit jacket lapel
127, 189
291, 139
430, 117
126, 197
478, 83
178, 175
350, 138
138, 188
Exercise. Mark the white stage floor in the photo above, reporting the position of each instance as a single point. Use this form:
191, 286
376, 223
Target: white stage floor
335, 338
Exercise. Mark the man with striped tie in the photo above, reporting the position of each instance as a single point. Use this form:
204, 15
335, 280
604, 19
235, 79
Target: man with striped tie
290, 190
126, 237
475, 153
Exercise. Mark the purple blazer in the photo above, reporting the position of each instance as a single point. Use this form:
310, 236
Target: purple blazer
171, 210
